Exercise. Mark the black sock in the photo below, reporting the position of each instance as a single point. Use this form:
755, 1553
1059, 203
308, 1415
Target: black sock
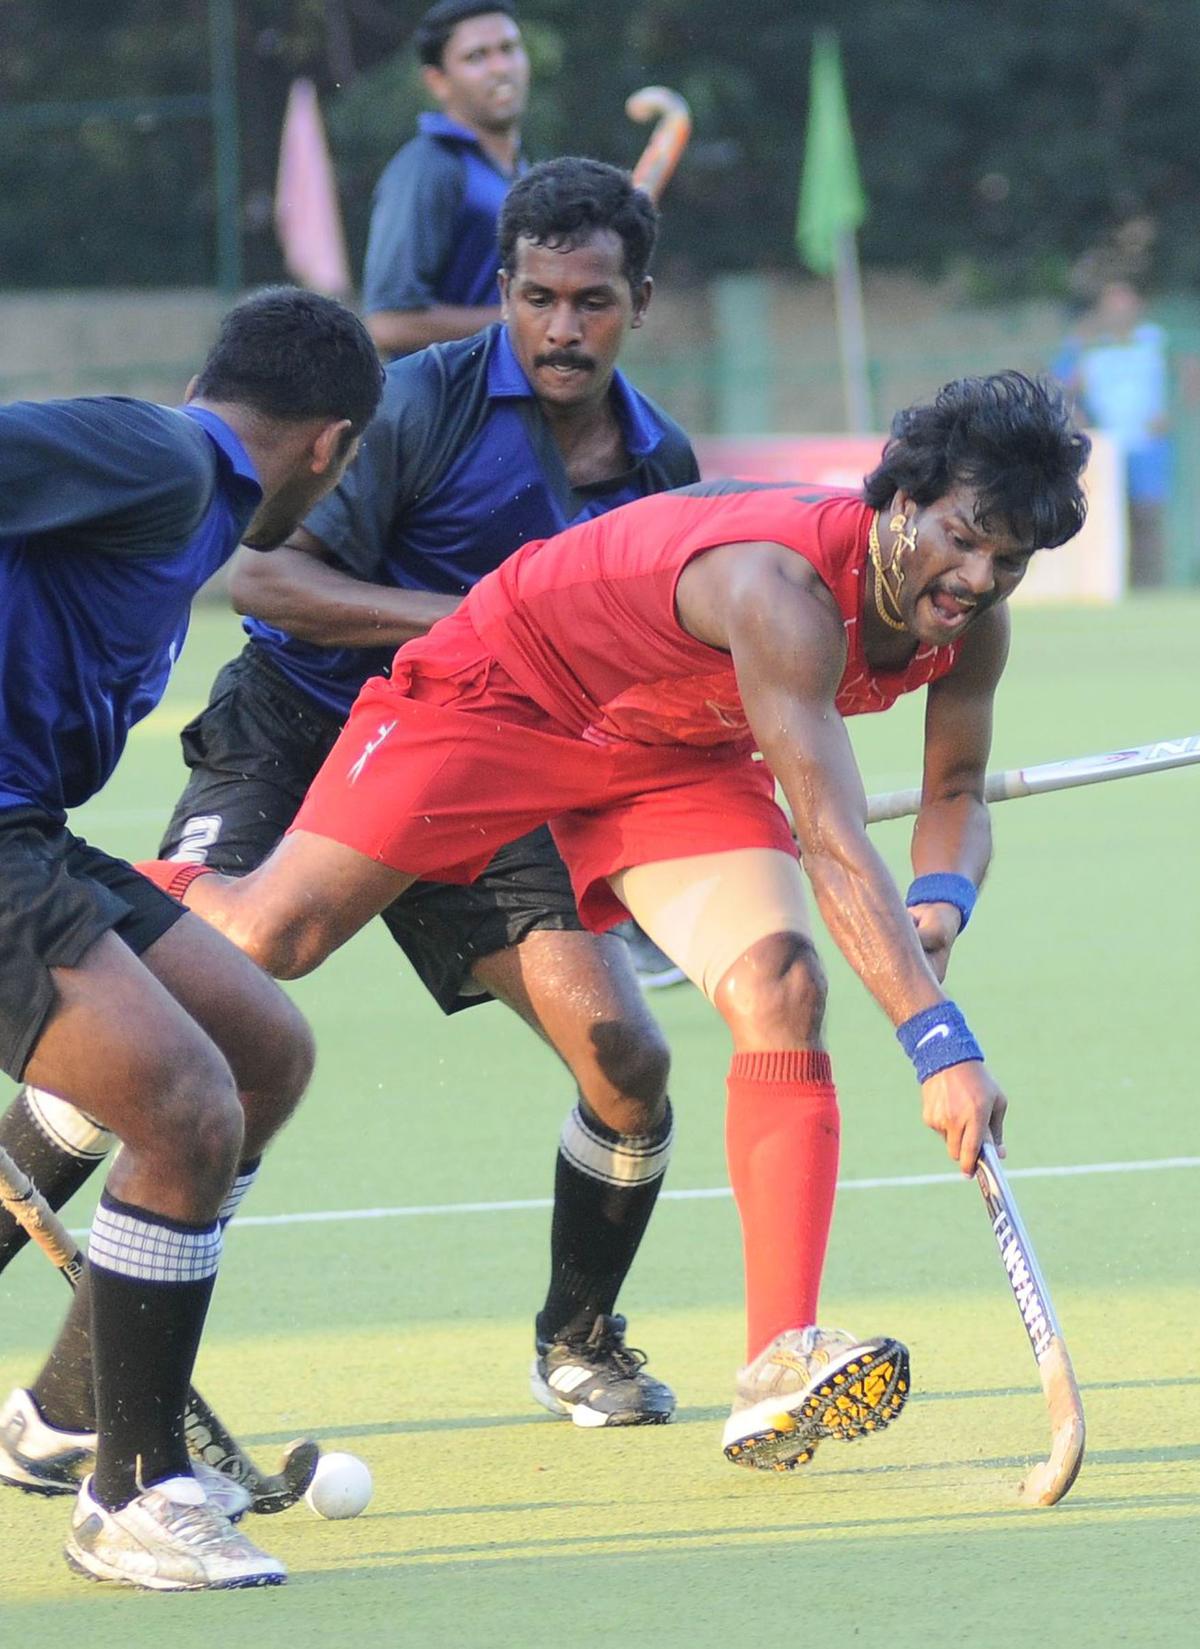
63, 1390
151, 1281
605, 1188
56, 1145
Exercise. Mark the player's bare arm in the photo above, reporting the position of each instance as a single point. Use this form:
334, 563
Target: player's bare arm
953, 834
297, 589
766, 606
403, 331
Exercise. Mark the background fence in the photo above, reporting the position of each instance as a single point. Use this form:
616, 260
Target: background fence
745, 355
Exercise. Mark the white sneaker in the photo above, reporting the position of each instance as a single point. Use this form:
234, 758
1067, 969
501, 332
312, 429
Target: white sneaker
225, 1493
40, 1459
812, 1383
35, 1456
170, 1538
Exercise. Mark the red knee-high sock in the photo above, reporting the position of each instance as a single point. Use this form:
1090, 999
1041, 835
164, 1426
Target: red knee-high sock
781, 1139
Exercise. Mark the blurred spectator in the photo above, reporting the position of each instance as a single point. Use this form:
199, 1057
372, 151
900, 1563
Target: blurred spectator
432, 257
1114, 363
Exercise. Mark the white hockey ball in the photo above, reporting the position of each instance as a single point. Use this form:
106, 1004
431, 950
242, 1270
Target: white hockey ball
341, 1486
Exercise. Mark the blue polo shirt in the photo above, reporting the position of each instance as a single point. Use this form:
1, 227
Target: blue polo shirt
432, 237
113, 513
457, 470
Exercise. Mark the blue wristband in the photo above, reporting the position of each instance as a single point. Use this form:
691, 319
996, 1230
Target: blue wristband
936, 1038
944, 887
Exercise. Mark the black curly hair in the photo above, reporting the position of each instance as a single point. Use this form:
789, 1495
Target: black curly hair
562, 203
287, 353
1008, 436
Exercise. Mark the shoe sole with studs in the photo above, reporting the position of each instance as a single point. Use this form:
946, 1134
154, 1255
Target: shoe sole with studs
855, 1399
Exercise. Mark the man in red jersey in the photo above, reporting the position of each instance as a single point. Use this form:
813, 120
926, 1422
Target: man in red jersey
616, 681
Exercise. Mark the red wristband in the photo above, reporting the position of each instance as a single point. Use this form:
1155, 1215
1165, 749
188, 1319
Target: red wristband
173, 878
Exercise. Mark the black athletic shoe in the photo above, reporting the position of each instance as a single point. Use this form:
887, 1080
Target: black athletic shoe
597, 1380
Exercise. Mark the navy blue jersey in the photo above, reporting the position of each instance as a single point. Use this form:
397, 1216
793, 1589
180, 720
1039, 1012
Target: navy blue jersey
113, 513
433, 222
457, 470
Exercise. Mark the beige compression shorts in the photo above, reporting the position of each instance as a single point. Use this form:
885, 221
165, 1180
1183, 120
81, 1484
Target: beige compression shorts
707, 911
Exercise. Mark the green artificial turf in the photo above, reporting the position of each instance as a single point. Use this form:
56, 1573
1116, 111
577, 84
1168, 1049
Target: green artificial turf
405, 1338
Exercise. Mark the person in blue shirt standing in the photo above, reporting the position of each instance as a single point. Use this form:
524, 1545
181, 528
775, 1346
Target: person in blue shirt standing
432, 260
1117, 366
113, 512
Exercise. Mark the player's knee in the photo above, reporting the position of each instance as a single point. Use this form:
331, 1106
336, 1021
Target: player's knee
196, 1122
298, 1053
775, 994
289, 1052
219, 1141
633, 1063
288, 1041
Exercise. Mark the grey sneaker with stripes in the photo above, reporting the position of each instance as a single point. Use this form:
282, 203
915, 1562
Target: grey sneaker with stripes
169, 1538
597, 1380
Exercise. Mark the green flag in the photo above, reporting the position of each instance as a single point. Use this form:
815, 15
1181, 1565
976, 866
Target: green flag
831, 194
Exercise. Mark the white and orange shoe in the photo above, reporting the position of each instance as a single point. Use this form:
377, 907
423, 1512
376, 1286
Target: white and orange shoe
809, 1384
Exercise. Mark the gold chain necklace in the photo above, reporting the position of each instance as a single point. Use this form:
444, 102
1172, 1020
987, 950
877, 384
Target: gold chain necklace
879, 585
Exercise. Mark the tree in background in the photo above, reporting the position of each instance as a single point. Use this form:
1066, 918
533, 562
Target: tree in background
998, 142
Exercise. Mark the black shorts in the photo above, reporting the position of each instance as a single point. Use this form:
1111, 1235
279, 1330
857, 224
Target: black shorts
254, 751
58, 896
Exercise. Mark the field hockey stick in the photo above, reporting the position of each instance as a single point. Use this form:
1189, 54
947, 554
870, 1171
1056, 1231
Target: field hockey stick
207, 1437
1033, 781
1050, 1479
668, 140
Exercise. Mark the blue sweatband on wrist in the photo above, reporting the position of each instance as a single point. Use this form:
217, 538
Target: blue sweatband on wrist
944, 887
936, 1038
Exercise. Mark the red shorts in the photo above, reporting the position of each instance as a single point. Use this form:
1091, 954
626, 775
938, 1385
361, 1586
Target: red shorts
444, 763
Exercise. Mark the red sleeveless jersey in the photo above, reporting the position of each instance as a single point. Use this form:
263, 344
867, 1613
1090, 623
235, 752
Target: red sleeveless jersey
585, 622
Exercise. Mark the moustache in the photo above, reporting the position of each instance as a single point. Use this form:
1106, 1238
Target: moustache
566, 358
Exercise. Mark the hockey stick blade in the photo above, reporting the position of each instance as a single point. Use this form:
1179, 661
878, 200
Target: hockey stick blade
673, 126
1049, 1480
207, 1437
269, 1492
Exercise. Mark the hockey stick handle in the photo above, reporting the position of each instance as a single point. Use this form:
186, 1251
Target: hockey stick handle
658, 160
1048, 1481
37, 1219
207, 1436
1033, 781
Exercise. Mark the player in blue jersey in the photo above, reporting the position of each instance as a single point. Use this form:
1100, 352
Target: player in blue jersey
113, 513
432, 263
478, 446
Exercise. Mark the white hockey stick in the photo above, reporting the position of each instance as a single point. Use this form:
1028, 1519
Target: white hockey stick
1031, 781
1050, 1479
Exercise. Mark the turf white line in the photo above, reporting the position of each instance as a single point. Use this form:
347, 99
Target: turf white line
528, 1204
522, 1205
